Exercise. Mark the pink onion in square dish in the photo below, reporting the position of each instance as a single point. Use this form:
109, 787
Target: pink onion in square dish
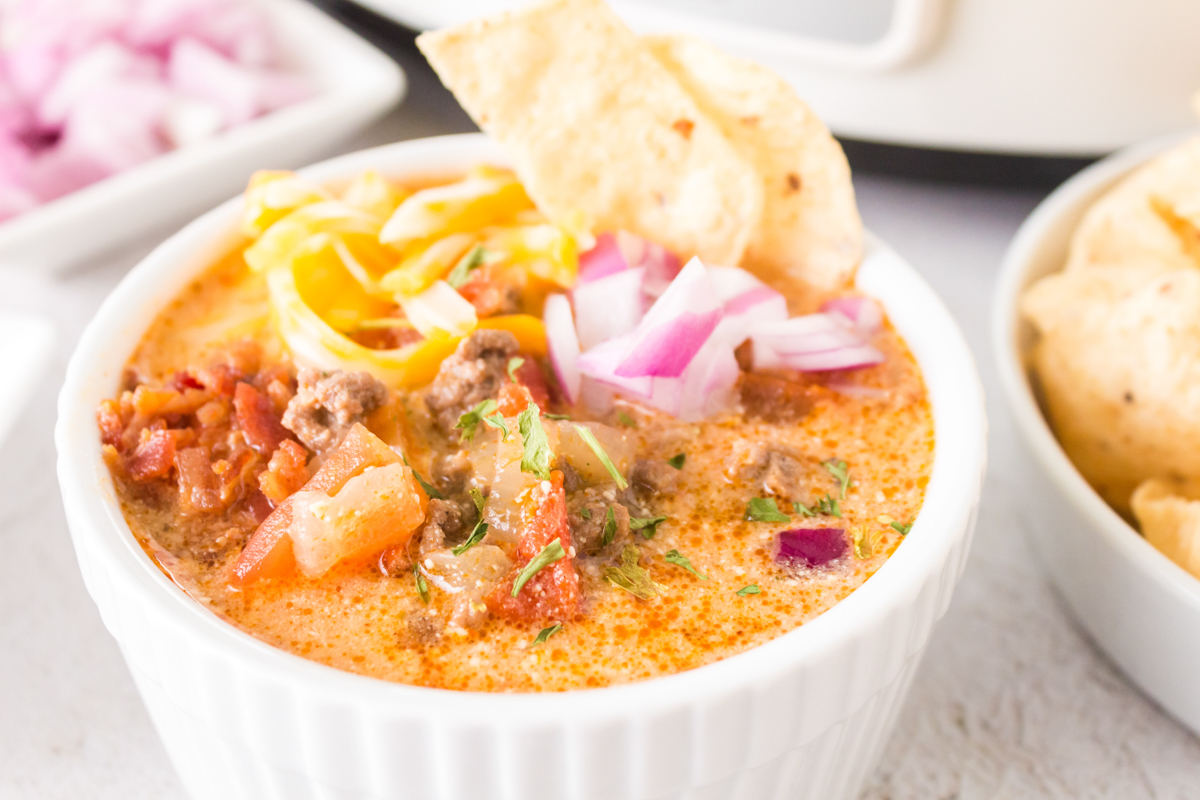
89, 88
810, 547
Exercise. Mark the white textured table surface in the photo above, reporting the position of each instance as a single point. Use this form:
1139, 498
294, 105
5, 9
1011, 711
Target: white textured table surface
1011, 702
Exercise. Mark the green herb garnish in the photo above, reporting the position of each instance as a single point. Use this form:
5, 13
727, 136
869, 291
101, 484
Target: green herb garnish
763, 509
557, 416
679, 559
469, 421
829, 505
422, 587
545, 557
630, 576
676, 461
514, 364
610, 526
497, 422
800, 508
536, 458
626, 420
647, 525
472, 261
585, 512
480, 529
903, 527
590, 440
841, 473
751, 589
546, 634
426, 485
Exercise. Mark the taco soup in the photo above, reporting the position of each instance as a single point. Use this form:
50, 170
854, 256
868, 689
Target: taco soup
509, 430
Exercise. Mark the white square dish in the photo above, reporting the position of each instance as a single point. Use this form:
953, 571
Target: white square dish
355, 84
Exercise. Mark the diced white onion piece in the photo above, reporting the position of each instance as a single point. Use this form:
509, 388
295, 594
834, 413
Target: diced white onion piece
439, 307
600, 363
562, 344
608, 307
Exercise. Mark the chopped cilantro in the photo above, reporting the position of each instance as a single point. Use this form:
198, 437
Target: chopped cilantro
472, 261
536, 458
514, 364
480, 529
626, 420
422, 587
585, 512
471, 419
546, 634
751, 589
902, 527
630, 576
557, 416
497, 421
829, 505
610, 526
545, 557
679, 559
426, 485
647, 525
590, 440
841, 473
677, 460
763, 509
800, 508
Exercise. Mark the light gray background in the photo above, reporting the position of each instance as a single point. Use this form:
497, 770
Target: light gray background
1011, 702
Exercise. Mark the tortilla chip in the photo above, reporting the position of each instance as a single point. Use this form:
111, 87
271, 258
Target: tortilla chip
1118, 364
1170, 522
1151, 218
594, 123
810, 229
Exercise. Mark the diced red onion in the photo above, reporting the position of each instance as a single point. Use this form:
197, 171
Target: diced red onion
562, 344
601, 261
674, 328
811, 547
608, 307
830, 360
600, 363
863, 312
661, 264
747, 302
812, 343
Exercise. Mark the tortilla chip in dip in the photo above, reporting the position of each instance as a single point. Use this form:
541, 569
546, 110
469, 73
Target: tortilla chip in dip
1169, 522
1117, 361
1150, 220
595, 124
810, 228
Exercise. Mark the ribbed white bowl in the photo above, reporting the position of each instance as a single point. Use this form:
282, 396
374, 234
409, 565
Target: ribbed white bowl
1139, 606
804, 716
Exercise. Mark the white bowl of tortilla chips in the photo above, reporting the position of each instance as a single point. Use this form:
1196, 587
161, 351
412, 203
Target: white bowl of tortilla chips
1097, 339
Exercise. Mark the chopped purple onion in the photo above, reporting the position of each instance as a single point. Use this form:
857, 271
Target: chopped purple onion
811, 547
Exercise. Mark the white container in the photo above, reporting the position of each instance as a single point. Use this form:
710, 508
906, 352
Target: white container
804, 716
355, 84
1064, 78
1136, 604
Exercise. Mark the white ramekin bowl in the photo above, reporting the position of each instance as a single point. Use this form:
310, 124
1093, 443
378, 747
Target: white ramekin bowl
803, 716
1135, 603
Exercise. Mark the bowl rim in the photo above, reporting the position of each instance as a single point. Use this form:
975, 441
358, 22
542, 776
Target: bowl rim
1072, 198
98, 527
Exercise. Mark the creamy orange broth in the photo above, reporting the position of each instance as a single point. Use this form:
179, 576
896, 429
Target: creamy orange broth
365, 622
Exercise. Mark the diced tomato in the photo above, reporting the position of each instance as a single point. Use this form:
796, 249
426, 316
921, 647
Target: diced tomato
489, 295
531, 377
153, 458
359, 450
553, 593
268, 554
184, 380
108, 417
256, 417
513, 399
285, 473
199, 490
259, 507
